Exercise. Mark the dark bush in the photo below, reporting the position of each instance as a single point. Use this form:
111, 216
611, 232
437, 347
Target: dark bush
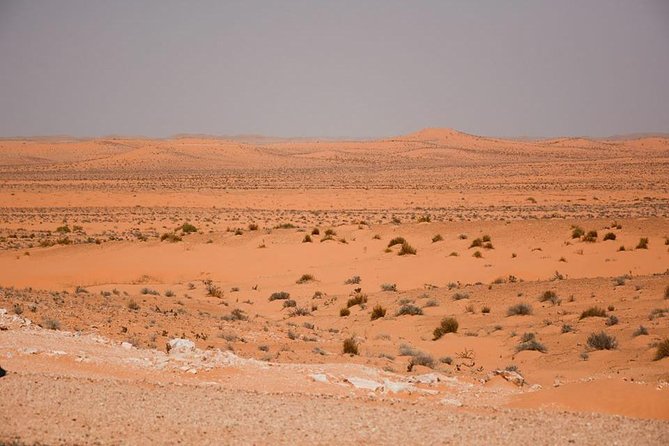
448, 325
593, 312
378, 312
279, 295
519, 310
602, 341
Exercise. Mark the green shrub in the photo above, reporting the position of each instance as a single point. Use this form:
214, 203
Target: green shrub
577, 232
609, 236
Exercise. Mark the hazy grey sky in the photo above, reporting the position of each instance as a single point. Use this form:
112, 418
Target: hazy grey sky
334, 68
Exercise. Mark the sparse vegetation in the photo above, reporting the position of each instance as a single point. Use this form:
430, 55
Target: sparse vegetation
593, 312
305, 278
357, 299
549, 296
519, 310
344, 312
602, 341
378, 312
187, 228
609, 236
51, 324
132, 305
388, 287
460, 296
611, 320
279, 295
170, 237
355, 280
641, 331
529, 342
235, 315
409, 309
350, 346
407, 249
447, 325
213, 290
590, 237
643, 243
437, 238
662, 350
396, 241
577, 232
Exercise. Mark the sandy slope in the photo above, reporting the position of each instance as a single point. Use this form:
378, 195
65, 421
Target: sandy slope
81, 252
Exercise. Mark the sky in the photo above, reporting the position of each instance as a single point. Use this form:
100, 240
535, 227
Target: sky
345, 68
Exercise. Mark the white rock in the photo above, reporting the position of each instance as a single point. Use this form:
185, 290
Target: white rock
511, 376
396, 387
362, 383
319, 377
179, 345
451, 402
126, 345
428, 378
3, 311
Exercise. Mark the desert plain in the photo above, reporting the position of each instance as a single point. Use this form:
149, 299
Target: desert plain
436, 287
